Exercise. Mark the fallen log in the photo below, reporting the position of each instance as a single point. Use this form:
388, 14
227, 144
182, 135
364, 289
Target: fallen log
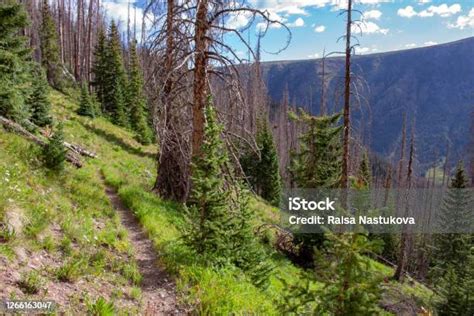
17, 128
81, 151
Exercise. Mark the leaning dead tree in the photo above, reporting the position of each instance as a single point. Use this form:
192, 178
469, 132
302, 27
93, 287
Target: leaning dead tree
189, 53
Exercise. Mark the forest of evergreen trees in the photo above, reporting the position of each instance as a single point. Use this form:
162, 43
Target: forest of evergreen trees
221, 142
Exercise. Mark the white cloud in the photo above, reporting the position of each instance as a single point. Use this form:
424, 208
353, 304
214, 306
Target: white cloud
299, 22
365, 50
411, 45
319, 28
372, 14
407, 12
238, 20
430, 43
290, 7
118, 10
368, 27
423, 1
443, 10
315, 55
298, 7
464, 21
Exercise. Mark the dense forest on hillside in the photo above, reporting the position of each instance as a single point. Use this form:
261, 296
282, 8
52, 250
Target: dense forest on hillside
146, 170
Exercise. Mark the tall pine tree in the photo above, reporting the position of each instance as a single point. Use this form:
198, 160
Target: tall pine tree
99, 68
49, 46
15, 64
210, 229
453, 258
451, 248
136, 102
115, 81
220, 229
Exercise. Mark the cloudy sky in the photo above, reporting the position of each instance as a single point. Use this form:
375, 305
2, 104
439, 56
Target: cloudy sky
316, 25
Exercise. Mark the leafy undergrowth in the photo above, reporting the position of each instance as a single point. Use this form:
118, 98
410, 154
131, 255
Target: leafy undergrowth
70, 220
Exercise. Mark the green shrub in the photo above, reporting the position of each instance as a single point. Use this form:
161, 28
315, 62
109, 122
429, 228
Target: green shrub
70, 271
54, 153
31, 282
101, 308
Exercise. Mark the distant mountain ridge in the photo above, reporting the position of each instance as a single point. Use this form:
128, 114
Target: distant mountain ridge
433, 85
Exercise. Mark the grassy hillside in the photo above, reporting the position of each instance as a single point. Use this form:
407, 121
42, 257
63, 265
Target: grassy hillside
69, 244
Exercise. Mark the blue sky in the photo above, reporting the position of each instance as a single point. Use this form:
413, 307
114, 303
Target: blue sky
315, 25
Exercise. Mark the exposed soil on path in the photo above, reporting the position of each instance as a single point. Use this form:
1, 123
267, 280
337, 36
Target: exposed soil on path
158, 289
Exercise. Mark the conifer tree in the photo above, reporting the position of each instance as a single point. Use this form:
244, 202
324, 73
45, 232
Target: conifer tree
452, 256
136, 102
352, 288
451, 248
456, 288
14, 62
99, 68
263, 172
119, 116
49, 46
364, 174
54, 153
220, 219
115, 83
86, 105
210, 229
318, 162
39, 103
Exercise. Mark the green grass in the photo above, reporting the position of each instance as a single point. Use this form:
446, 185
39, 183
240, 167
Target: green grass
90, 230
67, 214
31, 282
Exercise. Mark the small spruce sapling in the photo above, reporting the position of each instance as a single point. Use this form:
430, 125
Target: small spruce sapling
39, 103
86, 105
54, 153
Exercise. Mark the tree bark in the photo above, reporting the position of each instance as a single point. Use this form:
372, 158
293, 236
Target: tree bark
200, 85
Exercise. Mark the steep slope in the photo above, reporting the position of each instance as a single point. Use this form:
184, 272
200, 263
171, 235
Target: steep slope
433, 85
60, 236
71, 236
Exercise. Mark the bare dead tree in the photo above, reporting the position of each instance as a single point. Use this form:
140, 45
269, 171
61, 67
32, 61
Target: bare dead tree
405, 239
445, 166
323, 107
347, 96
402, 150
201, 57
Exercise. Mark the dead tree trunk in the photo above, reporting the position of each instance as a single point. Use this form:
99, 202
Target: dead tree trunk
405, 239
402, 149
172, 180
347, 96
200, 85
